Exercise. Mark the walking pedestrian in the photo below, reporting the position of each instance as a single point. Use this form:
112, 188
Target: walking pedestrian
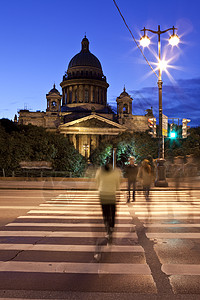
131, 172
108, 182
146, 176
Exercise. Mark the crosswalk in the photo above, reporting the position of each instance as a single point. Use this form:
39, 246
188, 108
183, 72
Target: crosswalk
53, 246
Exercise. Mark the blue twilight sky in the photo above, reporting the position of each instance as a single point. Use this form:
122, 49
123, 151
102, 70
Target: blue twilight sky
39, 38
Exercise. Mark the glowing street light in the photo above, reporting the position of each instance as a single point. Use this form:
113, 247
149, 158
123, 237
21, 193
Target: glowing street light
162, 65
145, 41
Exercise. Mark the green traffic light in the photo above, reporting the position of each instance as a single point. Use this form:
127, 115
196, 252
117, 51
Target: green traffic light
173, 134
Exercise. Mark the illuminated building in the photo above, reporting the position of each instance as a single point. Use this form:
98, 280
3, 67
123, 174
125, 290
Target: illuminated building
82, 112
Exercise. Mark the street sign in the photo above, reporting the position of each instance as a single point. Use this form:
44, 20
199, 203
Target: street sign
164, 125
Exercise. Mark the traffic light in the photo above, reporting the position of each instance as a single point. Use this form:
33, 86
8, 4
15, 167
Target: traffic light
185, 128
152, 126
173, 133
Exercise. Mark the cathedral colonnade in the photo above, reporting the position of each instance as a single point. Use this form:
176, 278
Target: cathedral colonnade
84, 93
86, 143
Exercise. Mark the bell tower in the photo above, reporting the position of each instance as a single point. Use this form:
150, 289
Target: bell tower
124, 107
53, 100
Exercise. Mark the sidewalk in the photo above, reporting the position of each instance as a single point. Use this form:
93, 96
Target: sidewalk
82, 183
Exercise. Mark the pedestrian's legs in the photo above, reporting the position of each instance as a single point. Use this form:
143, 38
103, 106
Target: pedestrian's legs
129, 190
105, 210
112, 215
134, 187
146, 189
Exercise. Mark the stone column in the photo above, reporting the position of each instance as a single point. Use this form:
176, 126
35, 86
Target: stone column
73, 94
91, 93
89, 89
80, 93
77, 142
83, 93
67, 95
63, 99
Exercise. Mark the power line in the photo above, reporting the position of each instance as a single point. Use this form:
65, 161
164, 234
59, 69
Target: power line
134, 38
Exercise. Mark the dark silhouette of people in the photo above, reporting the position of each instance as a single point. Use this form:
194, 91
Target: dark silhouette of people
108, 181
131, 172
146, 176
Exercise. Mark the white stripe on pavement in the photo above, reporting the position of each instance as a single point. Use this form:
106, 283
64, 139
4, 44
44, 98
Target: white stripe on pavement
71, 248
71, 234
72, 217
175, 235
170, 212
75, 207
181, 269
17, 207
170, 217
66, 225
171, 225
64, 211
75, 268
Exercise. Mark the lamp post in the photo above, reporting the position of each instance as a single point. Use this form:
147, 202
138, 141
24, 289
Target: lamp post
86, 148
145, 41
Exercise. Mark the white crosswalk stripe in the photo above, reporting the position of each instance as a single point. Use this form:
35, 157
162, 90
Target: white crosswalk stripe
61, 236
180, 217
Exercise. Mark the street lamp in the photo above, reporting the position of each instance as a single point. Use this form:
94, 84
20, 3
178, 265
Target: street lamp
145, 41
86, 148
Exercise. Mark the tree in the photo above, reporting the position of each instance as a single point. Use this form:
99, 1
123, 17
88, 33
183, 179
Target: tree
33, 143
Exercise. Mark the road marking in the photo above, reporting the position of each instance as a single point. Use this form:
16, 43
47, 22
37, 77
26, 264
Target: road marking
64, 211
175, 235
181, 269
75, 207
17, 207
71, 234
71, 248
121, 207
170, 217
169, 212
71, 217
158, 225
87, 225
75, 268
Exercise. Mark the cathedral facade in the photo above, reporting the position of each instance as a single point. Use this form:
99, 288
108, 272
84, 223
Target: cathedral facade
81, 111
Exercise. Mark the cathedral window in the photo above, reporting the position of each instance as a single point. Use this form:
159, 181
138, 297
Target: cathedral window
53, 104
125, 109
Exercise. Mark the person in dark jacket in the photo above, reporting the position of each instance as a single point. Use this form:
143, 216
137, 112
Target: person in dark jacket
131, 172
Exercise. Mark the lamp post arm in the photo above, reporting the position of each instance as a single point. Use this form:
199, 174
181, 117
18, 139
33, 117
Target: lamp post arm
159, 31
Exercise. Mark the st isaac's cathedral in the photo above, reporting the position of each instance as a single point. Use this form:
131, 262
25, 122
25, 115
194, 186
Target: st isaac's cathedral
82, 112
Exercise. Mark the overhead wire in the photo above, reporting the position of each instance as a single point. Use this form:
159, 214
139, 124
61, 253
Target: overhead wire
134, 38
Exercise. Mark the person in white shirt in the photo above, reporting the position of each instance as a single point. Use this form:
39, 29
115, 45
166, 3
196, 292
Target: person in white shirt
108, 182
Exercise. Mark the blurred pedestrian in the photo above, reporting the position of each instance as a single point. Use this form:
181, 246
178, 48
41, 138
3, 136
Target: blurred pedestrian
108, 182
146, 176
131, 172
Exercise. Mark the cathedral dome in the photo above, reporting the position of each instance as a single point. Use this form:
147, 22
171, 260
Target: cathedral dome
84, 82
85, 58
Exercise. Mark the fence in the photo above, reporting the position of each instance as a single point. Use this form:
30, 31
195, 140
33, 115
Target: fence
36, 173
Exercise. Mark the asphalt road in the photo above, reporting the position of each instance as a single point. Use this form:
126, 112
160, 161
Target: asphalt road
47, 250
